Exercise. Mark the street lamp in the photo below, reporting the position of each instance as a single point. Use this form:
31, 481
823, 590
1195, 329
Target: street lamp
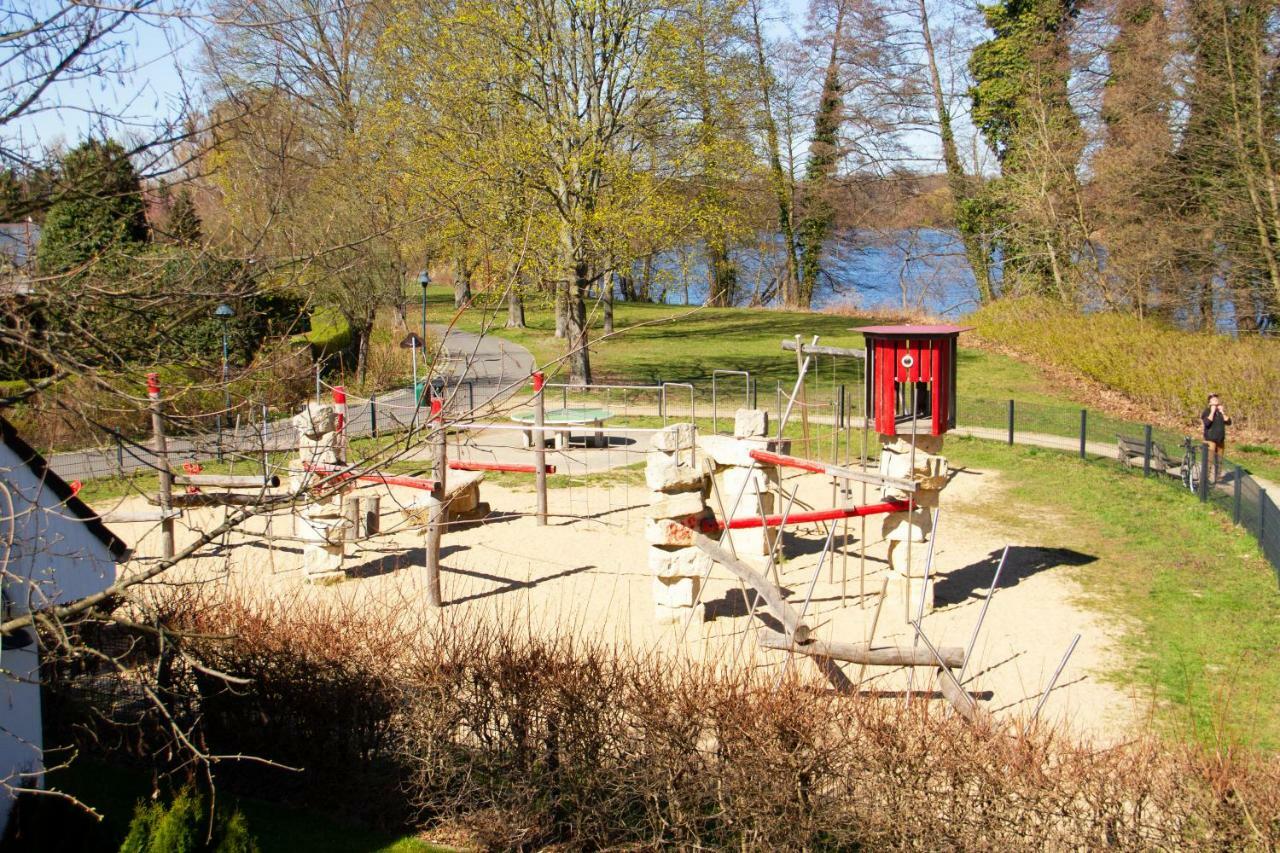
424, 278
224, 312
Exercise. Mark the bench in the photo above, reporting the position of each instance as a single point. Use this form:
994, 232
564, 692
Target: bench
1132, 451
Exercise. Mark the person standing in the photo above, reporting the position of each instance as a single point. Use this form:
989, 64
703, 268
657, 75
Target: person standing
1215, 421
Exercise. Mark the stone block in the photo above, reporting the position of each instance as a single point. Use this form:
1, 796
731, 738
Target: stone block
675, 506
915, 525
725, 451
674, 437
927, 498
746, 482
319, 559
417, 510
464, 499
900, 587
663, 473
668, 532
668, 563
664, 615
755, 543
750, 423
676, 592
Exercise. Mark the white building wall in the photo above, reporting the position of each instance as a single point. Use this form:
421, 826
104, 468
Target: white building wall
48, 557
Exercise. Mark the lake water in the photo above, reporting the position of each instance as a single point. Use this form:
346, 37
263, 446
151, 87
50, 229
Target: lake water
915, 270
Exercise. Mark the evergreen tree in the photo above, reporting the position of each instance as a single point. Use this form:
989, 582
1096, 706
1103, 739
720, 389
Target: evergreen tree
184, 226
98, 207
1021, 106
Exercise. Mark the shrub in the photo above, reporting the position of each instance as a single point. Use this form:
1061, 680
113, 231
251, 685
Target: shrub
183, 826
1165, 369
526, 742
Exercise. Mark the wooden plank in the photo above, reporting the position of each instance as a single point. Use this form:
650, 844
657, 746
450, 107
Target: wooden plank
825, 350
228, 481
862, 653
772, 596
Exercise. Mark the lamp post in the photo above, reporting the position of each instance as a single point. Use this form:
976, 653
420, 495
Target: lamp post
224, 312
424, 278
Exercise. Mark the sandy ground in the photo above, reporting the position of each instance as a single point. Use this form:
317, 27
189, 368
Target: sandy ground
586, 572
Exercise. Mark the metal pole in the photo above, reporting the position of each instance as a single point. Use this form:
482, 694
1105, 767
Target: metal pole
924, 592
540, 444
162, 459
119, 454
1237, 497
438, 516
226, 392
1010, 423
373, 415
973, 638
424, 318
1204, 472
1084, 430
1146, 452
1035, 715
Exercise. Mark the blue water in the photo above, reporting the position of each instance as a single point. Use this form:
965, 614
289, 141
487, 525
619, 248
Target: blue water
910, 270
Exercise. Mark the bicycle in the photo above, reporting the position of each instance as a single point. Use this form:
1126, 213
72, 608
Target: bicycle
1191, 472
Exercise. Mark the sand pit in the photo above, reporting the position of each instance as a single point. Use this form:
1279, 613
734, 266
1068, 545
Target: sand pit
586, 573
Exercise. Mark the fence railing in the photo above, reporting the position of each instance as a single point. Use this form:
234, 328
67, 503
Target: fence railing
1084, 432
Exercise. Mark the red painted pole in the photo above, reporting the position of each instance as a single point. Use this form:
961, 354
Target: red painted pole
785, 461
512, 467
747, 522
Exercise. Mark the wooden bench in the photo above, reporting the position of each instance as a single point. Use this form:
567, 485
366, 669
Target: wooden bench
1132, 451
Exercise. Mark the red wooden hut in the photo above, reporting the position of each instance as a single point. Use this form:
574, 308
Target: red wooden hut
911, 376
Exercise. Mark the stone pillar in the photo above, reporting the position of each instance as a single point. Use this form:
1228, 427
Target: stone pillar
757, 484
322, 523
678, 486
930, 474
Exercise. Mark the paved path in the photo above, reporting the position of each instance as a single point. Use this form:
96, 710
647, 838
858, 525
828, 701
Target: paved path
491, 370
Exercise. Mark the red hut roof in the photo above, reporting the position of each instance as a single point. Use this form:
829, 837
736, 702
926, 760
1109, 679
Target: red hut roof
911, 331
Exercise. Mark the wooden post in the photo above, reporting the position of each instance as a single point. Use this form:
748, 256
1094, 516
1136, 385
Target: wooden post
540, 444
436, 520
351, 515
162, 460
372, 515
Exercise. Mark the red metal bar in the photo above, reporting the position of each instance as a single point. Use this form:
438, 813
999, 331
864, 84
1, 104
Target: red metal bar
785, 461
805, 517
514, 468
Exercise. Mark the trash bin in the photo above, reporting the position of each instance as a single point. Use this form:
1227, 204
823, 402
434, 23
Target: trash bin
420, 392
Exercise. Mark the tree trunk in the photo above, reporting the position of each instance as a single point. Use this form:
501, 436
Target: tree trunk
576, 314
961, 184
606, 283
777, 176
515, 309
722, 277
562, 309
461, 284
646, 279
362, 351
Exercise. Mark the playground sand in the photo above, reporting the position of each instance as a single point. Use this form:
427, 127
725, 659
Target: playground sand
586, 574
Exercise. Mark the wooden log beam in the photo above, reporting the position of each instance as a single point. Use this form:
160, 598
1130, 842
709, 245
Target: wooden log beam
228, 481
785, 613
223, 499
824, 350
862, 653
145, 515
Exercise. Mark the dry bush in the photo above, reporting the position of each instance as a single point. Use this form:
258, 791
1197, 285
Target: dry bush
524, 743
1165, 369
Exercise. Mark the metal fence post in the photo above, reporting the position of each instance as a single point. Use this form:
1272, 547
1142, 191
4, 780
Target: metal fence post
119, 454
1204, 473
1010, 423
1235, 509
1084, 430
373, 415
840, 406
751, 389
1146, 451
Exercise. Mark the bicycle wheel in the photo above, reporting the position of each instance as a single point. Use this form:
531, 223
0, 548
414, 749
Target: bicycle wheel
1192, 476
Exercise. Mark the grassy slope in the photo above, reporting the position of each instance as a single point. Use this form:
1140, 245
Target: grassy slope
678, 344
1199, 601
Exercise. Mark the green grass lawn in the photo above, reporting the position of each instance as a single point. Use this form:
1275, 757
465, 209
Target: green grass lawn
1200, 605
114, 791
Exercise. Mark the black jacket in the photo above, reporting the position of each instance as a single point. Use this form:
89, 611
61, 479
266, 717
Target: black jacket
1215, 427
